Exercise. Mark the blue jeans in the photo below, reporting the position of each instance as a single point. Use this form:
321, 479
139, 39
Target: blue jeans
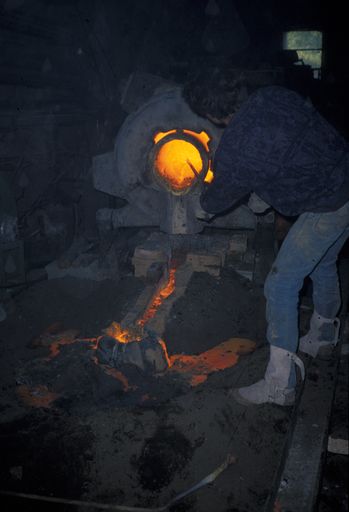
310, 248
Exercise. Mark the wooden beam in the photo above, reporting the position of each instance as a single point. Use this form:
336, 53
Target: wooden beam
299, 476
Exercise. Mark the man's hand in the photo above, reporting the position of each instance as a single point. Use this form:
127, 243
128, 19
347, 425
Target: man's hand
256, 204
199, 212
205, 216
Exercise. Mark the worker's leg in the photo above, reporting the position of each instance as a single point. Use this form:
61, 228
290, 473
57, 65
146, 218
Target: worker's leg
324, 326
326, 291
307, 242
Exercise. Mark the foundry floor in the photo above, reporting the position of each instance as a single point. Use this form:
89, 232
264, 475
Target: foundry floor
89, 442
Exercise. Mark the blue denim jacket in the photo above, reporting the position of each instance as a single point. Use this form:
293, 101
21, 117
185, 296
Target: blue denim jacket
281, 148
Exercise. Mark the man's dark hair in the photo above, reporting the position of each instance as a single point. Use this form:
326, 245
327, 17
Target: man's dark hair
215, 92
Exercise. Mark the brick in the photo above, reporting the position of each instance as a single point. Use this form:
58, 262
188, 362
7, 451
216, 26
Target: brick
205, 259
238, 243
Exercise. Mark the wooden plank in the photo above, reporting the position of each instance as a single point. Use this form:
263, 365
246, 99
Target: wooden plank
299, 476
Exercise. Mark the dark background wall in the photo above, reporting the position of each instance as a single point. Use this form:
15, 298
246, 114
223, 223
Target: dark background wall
63, 66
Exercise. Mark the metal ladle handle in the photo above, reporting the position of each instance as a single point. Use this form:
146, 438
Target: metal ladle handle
197, 175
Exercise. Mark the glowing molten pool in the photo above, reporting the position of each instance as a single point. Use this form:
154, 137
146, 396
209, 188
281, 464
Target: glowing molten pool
176, 158
171, 163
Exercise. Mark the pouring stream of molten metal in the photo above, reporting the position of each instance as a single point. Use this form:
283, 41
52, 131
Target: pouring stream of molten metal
159, 298
195, 367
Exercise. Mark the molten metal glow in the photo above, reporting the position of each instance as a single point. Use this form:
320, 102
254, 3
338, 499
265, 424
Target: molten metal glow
164, 348
159, 298
197, 368
194, 368
113, 372
171, 163
54, 340
122, 335
172, 160
209, 176
161, 135
126, 335
202, 137
116, 374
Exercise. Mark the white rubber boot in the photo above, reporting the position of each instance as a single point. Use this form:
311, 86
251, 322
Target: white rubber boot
273, 388
322, 337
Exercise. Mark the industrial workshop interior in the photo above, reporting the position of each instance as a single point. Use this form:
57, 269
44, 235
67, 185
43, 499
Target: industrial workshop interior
174, 255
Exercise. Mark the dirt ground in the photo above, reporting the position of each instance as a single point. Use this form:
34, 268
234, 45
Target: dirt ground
70, 430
